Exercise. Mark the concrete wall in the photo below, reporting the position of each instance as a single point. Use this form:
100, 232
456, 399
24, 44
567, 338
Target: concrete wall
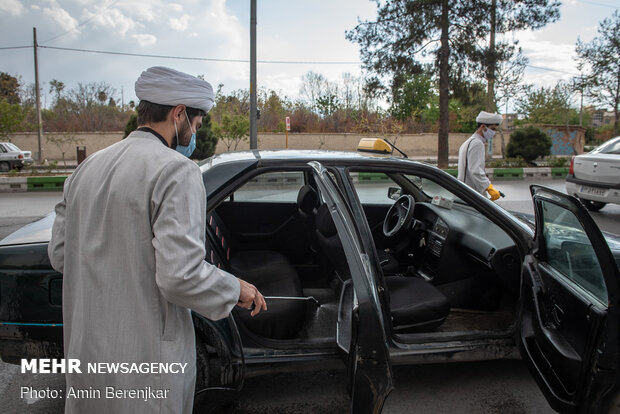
411, 144
417, 145
93, 141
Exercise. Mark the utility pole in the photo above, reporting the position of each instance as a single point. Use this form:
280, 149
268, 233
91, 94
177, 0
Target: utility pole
38, 93
253, 112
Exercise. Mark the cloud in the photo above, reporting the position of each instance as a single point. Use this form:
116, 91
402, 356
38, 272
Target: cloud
13, 7
180, 24
112, 19
62, 17
176, 7
145, 39
560, 57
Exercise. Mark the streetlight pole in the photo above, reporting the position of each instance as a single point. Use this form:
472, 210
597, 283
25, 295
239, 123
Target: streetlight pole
253, 112
38, 92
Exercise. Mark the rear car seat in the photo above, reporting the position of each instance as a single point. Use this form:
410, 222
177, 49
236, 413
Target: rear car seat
272, 274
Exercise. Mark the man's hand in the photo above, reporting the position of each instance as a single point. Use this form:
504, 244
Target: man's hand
493, 192
250, 297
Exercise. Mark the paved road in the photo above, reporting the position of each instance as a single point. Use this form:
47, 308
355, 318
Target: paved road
484, 387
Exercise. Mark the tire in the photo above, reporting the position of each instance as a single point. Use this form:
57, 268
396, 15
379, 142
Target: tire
592, 205
4, 166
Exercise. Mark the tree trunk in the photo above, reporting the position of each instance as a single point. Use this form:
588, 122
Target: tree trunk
491, 61
444, 87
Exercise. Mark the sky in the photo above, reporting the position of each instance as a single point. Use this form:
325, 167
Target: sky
287, 31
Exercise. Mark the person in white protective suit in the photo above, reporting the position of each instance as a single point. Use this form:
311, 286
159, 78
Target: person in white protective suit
471, 155
129, 237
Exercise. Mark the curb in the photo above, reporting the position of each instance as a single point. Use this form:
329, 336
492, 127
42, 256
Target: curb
56, 183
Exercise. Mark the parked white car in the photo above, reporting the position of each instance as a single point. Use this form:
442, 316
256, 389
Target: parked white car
11, 157
594, 177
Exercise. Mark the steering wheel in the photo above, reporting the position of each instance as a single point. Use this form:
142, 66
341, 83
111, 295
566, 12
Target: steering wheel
398, 216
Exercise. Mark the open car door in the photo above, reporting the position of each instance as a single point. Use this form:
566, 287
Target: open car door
569, 317
360, 329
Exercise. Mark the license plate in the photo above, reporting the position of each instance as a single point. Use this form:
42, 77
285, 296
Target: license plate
593, 190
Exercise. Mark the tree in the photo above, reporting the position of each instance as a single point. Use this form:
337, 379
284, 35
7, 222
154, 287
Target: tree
528, 143
549, 105
509, 16
411, 96
11, 118
57, 87
602, 57
232, 130
206, 141
406, 29
9, 88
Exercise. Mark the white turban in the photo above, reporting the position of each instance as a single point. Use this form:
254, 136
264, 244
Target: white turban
165, 86
488, 118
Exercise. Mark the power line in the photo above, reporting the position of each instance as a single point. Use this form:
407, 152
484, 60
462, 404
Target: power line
107, 52
287, 62
14, 47
551, 70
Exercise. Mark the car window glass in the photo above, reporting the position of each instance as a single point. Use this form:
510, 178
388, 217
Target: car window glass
612, 147
431, 188
569, 251
372, 187
282, 186
12, 147
2, 149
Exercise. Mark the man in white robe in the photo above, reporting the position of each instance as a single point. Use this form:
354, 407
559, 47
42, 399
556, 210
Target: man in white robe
471, 155
129, 238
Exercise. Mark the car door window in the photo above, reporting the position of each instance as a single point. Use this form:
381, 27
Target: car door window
282, 186
372, 187
568, 250
2, 149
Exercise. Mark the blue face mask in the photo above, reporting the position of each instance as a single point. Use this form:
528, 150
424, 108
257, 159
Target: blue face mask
186, 150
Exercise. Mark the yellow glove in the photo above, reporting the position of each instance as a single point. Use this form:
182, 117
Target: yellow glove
492, 192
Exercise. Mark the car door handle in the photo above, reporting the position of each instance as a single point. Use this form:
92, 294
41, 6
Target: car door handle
558, 315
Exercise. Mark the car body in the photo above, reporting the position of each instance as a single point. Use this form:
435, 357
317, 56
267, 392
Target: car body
355, 279
594, 177
11, 157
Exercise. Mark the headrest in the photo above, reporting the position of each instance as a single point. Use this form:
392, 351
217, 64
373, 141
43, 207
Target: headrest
307, 199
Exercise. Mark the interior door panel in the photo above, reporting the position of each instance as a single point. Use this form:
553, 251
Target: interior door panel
559, 326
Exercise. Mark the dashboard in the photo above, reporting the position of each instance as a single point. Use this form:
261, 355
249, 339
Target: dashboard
460, 244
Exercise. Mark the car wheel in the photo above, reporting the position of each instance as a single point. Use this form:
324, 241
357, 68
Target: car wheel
592, 205
4, 166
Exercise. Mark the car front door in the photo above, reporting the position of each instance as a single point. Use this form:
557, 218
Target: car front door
570, 316
361, 332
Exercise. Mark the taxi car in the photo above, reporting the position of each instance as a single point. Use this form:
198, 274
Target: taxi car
368, 262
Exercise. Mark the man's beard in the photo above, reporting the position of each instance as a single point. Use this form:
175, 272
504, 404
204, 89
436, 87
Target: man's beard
184, 135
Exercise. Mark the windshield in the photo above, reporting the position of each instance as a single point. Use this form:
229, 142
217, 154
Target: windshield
431, 189
610, 147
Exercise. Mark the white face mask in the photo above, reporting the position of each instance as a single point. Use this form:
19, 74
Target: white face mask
488, 134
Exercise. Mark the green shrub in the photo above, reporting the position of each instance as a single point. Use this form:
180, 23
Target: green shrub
206, 141
516, 162
528, 143
558, 162
132, 125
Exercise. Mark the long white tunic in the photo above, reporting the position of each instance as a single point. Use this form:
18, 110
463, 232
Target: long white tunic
129, 237
471, 164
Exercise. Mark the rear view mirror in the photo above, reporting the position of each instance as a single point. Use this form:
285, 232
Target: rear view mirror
394, 193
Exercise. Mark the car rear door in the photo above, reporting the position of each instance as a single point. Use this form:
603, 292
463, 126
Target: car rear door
361, 332
570, 316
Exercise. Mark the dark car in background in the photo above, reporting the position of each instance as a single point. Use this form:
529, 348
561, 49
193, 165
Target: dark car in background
367, 262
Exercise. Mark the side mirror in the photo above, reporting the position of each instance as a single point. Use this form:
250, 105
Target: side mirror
394, 193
